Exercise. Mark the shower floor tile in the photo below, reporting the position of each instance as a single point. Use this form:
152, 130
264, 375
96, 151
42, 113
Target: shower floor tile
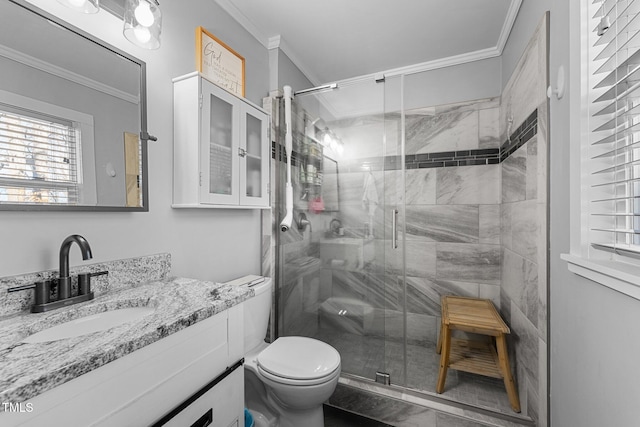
365, 355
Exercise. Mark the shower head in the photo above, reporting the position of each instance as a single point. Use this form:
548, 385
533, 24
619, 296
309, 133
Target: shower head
285, 225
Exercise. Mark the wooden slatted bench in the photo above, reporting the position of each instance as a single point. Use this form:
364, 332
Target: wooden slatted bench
477, 316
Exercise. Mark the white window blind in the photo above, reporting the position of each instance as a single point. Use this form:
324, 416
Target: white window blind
614, 152
38, 158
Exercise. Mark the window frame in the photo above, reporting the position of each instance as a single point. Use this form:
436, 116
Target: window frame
83, 123
610, 269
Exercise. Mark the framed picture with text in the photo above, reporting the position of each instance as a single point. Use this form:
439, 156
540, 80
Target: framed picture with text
219, 63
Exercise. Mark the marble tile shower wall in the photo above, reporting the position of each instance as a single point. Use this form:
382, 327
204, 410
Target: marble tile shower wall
523, 294
452, 214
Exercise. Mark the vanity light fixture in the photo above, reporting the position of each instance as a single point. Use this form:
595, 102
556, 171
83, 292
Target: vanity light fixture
143, 23
330, 140
142, 19
84, 6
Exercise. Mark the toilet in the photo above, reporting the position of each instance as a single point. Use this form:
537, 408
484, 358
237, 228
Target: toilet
287, 381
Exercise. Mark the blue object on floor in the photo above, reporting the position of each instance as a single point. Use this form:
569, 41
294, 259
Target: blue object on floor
248, 418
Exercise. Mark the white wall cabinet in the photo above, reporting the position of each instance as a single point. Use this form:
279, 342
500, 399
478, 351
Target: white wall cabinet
221, 147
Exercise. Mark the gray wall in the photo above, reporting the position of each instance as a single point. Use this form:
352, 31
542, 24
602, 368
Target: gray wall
289, 74
458, 83
205, 243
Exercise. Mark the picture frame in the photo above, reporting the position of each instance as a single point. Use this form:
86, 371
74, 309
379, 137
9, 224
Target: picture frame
219, 63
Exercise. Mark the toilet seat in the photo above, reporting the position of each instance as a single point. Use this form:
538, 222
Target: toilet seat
299, 361
267, 376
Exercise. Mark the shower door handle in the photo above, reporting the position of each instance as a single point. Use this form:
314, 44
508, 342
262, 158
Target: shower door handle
394, 228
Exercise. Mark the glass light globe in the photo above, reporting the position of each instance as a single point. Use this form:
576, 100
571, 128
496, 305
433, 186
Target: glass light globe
143, 14
143, 23
142, 34
84, 6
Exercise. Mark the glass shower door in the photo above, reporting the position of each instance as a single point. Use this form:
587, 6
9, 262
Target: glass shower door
393, 252
336, 283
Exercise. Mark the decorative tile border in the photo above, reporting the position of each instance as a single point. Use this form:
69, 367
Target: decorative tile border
445, 159
486, 156
527, 130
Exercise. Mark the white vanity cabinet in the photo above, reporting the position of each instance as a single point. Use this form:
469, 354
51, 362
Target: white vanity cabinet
175, 381
221, 147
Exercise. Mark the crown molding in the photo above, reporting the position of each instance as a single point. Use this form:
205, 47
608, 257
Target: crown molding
274, 42
449, 61
509, 21
245, 22
280, 43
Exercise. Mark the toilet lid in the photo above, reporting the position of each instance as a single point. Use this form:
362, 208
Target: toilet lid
299, 358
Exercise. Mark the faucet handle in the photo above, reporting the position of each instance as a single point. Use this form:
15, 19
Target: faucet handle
99, 273
42, 291
84, 281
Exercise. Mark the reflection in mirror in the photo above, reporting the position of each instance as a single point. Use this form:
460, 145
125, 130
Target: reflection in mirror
330, 185
72, 110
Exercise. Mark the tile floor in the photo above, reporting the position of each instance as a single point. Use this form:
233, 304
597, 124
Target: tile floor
336, 417
401, 413
364, 355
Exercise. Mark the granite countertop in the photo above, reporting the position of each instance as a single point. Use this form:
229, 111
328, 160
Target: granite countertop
29, 369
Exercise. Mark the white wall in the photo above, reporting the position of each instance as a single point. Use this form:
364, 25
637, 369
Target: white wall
207, 243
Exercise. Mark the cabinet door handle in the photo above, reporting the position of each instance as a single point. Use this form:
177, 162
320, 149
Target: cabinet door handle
242, 152
205, 420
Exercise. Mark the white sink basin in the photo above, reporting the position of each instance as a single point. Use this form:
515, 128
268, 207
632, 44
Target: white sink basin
89, 324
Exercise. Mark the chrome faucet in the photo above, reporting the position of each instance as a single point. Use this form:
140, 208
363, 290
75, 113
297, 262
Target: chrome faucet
303, 222
64, 282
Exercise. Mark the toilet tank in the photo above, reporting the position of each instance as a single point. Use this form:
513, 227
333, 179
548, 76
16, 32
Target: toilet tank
256, 315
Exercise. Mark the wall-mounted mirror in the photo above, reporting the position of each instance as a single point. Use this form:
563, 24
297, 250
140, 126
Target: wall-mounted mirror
72, 117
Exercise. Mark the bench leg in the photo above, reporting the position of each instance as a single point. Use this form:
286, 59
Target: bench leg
445, 345
439, 346
503, 358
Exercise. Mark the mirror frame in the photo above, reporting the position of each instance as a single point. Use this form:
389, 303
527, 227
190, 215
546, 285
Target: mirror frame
144, 135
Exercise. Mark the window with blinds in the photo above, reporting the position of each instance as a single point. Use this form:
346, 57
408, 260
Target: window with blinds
614, 110
38, 158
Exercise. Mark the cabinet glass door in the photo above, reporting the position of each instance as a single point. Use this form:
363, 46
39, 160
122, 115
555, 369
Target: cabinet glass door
254, 152
219, 155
